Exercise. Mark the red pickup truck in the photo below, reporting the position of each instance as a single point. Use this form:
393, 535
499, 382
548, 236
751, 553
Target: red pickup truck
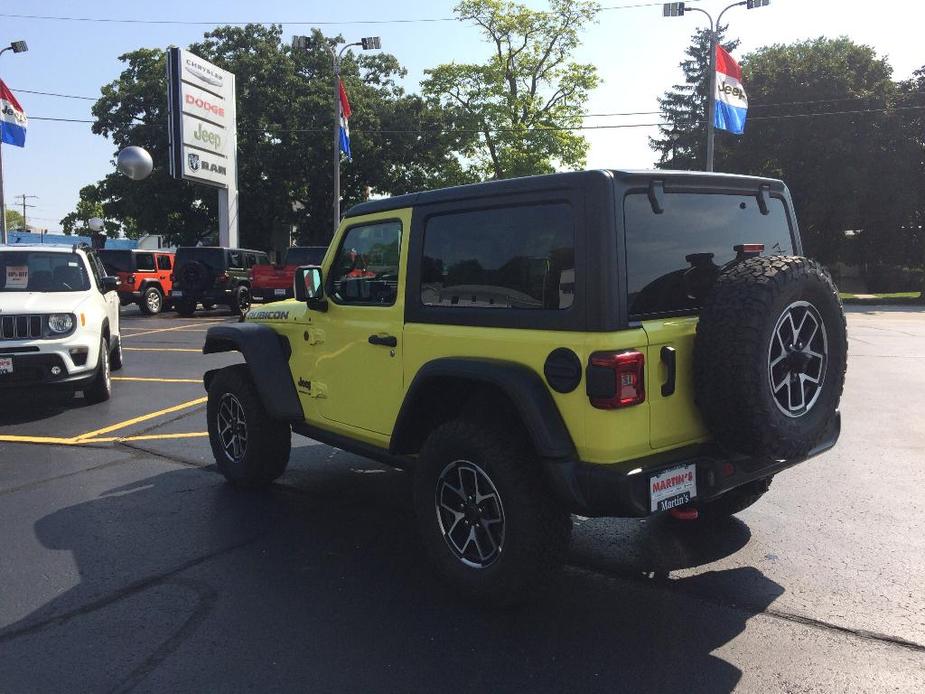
274, 282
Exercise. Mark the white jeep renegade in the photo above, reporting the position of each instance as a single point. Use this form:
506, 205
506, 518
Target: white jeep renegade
59, 321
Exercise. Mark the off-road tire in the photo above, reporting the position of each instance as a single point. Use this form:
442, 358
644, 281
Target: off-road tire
115, 355
266, 452
185, 308
240, 300
733, 501
152, 301
537, 529
208, 305
100, 388
731, 356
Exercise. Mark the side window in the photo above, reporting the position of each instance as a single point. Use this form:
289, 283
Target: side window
144, 262
235, 259
512, 257
365, 270
250, 260
163, 262
263, 260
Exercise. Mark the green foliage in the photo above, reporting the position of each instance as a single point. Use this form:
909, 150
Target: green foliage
523, 100
14, 219
683, 143
89, 205
285, 121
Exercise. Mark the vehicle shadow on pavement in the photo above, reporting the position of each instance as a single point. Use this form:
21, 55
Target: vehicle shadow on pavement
186, 584
23, 407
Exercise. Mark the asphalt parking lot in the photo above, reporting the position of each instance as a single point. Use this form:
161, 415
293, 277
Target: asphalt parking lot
127, 564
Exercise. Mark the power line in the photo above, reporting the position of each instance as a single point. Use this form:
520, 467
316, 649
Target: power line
188, 22
63, 96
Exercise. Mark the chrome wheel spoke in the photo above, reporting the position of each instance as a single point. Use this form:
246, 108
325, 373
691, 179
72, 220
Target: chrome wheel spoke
232, 427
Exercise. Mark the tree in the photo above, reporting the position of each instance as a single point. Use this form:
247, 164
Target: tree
89, 205
285, 121
14, 219
682, 144
526, 100
846, 171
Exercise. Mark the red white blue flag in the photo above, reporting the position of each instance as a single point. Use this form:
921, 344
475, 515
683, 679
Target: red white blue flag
731, 102
13, 119
344, 122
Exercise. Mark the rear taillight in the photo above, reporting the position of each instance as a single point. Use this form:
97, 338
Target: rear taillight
221, 278
616, 379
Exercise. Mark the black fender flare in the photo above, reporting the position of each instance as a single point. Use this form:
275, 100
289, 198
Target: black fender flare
522, 385
152, 282
267, 355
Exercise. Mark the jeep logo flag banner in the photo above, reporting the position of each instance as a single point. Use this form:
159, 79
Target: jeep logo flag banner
13, 119
731, 102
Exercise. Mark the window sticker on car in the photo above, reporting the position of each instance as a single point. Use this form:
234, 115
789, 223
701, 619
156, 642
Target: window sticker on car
72, 263
17, 276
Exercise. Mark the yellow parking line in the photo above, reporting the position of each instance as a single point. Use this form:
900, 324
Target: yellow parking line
156, 380
167, 330
12, 438
143, 418
160, 349
154, 437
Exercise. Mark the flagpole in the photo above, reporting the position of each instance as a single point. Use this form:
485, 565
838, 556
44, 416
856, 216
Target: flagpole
711, 100
2, 202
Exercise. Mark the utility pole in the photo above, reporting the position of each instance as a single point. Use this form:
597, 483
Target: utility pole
368, 43
677, 9
24, 206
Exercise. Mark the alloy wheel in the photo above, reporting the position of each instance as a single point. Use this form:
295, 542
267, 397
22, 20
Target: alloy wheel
797, 358
470, 514
232, 427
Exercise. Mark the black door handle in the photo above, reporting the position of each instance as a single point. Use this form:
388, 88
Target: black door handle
670, 360
384, 340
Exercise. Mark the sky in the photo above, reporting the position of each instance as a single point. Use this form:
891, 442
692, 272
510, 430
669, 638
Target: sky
636, 50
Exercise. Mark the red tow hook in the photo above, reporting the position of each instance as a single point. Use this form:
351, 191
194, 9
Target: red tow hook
684, 513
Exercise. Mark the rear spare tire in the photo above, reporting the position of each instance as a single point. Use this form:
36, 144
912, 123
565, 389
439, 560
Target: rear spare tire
770, 356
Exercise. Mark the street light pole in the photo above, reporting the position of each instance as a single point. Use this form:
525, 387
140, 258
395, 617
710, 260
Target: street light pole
16, 47
368, 43
677, 9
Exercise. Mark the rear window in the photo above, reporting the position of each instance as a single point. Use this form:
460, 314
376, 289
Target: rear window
213, 258
117, 261
512, 257
673, 258
305, 256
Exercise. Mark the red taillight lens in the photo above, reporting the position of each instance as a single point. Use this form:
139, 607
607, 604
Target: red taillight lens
616, 379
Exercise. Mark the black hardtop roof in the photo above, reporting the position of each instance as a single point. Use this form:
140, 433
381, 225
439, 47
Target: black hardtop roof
219, 248
528, 184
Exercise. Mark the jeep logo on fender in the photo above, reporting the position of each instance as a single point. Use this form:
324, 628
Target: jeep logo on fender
268, 315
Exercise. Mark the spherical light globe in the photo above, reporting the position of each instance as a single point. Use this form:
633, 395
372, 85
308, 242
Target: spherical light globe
95, 224
135, 162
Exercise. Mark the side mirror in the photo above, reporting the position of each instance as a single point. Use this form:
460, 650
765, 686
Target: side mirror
109, 284
309, 287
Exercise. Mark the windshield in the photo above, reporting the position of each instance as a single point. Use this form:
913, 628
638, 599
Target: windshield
41, 271
116, 261
672, 258
305, 256
213, 258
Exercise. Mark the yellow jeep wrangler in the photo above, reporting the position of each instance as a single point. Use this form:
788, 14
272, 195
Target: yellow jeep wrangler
603, 343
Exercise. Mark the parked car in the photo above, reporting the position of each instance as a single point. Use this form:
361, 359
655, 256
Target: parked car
144, 277
59, 321
604, 343
213, 275
274, 282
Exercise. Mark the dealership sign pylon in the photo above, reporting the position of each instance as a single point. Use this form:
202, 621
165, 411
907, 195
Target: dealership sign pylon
202, 121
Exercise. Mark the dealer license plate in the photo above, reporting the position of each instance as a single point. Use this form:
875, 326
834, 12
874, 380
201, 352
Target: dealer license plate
672, 488
176, 292
6, 365
279, 292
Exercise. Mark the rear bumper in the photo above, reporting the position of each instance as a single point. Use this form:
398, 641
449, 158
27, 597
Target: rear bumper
215, 296
622, 489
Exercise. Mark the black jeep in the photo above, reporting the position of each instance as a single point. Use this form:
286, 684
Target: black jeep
212, 275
